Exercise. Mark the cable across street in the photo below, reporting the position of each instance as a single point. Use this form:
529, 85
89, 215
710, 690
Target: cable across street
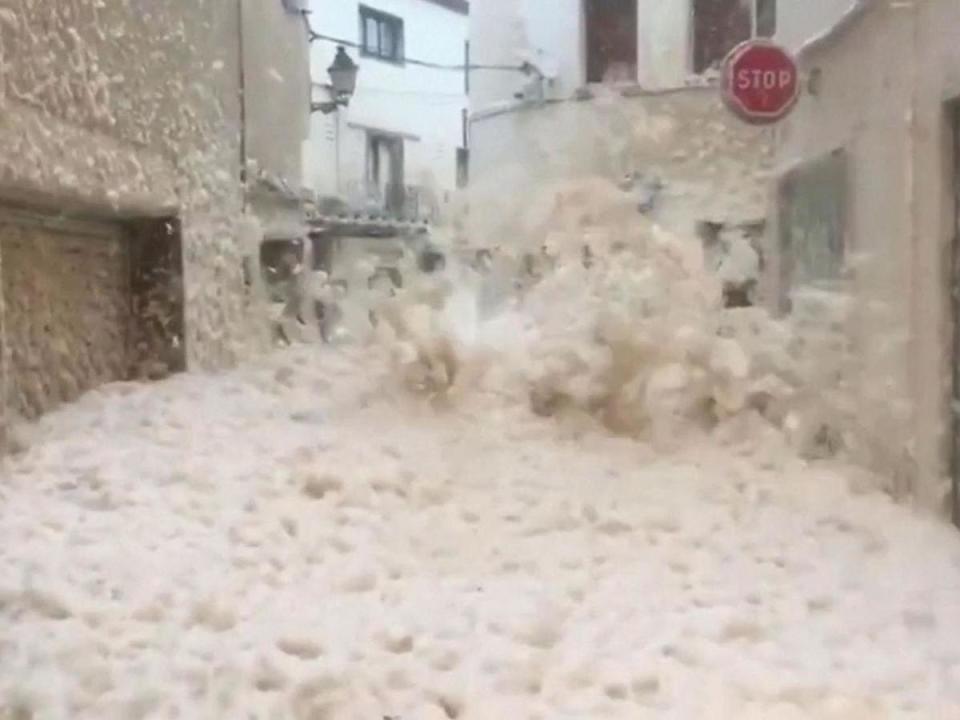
314, 36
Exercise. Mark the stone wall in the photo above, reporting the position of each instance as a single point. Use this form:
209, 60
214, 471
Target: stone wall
129, 110
708, 165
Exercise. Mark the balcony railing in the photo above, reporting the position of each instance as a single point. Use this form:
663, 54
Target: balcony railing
411, 203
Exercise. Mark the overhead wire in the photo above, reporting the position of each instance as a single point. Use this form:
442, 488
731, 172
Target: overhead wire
313, 36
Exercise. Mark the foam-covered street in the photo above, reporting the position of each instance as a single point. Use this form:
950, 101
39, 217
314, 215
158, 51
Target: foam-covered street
291, 540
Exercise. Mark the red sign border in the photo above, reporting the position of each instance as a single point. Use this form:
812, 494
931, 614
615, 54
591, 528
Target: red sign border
730, 98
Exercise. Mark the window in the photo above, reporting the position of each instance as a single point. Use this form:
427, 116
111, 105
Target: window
721, 25
766, 18
812, 215
611, 37
381, 35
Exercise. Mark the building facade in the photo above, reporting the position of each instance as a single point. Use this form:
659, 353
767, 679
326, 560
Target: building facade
866, 204
400, 147
657, 44
121, 194
690, 162
275, 116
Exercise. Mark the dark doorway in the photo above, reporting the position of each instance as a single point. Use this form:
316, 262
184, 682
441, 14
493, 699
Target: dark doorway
718, 27
385, 174
611, 34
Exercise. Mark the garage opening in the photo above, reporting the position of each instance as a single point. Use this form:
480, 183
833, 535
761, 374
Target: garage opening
85, 302
611, 36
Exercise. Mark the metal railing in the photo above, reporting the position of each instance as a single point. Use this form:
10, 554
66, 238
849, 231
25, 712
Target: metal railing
397, 202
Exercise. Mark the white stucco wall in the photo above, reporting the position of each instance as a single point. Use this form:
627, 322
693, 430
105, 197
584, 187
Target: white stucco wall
799, 20
507, 32
424, 105
893, 125
663, 45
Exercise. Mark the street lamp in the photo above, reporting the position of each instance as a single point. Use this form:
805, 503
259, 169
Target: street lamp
343, 82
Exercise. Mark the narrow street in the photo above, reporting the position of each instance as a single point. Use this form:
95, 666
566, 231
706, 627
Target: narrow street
295, 540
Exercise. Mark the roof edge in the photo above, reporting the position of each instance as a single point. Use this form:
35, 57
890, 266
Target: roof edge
833, 34
458, 6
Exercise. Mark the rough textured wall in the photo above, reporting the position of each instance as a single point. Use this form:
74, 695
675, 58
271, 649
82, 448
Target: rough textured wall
712, 166
129, 108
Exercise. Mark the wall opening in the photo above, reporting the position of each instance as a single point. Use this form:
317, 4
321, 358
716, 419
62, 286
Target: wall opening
611, 39
158, 321
385, 172
719, 241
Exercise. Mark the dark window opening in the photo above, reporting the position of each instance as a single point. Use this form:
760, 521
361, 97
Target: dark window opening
431, 261
323, 248
381, 35
611, 34
718, 27
766, 18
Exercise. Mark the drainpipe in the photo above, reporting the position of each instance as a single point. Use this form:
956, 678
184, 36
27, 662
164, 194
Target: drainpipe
242, 77
336, 159
916, 480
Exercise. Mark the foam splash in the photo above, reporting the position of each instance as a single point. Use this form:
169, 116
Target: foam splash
607, 318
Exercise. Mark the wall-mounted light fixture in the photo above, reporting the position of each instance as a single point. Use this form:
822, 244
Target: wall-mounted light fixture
343, 83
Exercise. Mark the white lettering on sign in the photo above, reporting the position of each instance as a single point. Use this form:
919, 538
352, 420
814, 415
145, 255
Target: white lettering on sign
763, 79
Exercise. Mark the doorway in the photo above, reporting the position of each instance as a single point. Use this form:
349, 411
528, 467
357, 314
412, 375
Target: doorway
385, 174
611, 38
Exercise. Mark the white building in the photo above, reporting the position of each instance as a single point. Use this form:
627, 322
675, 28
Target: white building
657, 44
400, 146
868, 190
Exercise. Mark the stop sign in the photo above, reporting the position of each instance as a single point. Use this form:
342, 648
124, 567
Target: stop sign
760, 81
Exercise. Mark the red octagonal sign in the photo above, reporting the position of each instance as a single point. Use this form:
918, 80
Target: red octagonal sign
761, 82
